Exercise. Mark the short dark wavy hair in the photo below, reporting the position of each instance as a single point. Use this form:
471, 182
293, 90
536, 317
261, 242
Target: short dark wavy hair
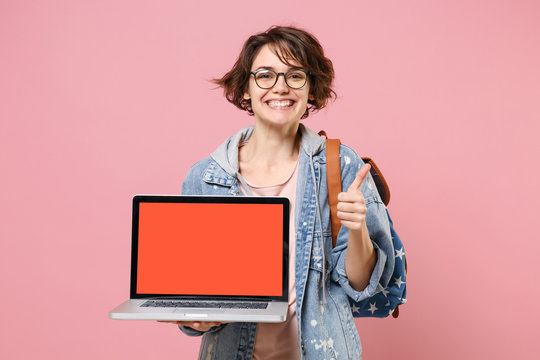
287, 43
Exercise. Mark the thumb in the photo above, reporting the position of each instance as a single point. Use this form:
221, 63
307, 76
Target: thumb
360, 177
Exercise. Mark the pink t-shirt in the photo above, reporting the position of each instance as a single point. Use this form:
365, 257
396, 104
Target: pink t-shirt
280, 340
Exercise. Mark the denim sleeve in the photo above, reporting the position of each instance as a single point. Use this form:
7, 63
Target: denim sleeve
378, 227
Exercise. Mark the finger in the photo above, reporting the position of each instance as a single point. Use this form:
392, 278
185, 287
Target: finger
203, 325
360, 176
197, 325
351, 207
207, 326
350, 197
354, 217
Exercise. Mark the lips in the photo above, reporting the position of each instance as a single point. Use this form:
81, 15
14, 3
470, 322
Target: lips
280, 104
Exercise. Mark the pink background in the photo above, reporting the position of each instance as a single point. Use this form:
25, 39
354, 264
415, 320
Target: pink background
100, 100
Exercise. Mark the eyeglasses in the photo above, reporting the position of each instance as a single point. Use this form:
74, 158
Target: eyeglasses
266, 79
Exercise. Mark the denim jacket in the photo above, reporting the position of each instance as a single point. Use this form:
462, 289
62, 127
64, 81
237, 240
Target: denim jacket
326, 328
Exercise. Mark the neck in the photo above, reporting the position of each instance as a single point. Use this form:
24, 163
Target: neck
272, 145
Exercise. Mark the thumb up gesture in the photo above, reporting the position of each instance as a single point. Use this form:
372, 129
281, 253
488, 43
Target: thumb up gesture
351, 205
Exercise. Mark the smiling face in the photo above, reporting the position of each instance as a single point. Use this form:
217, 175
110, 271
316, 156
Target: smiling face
279, 105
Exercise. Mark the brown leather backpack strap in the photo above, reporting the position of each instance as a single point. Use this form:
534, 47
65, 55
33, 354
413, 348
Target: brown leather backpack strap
333, 179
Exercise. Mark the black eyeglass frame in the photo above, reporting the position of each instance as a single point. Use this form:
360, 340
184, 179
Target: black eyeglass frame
254, 73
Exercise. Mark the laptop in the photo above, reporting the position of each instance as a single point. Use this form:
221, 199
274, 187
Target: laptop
208, 258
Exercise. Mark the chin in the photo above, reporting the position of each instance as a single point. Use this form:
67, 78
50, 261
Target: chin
281, 117
281, 120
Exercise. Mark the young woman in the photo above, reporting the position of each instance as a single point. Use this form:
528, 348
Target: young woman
280, 77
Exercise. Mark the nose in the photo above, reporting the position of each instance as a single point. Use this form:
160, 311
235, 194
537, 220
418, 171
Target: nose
280, 86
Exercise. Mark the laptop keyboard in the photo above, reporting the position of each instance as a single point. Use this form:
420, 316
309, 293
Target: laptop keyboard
205, 304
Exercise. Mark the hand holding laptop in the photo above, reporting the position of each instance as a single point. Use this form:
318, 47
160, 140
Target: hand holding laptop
196, 325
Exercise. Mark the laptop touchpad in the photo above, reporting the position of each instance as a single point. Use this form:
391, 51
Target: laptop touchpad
200, 313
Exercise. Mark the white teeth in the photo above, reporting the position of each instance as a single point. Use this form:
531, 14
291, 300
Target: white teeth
280, 103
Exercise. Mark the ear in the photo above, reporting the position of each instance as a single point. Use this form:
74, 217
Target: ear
311, 97
246, 96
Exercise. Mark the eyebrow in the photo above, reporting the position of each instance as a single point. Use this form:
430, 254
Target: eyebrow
273, 69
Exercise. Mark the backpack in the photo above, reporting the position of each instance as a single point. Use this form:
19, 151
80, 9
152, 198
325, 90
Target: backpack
388, 300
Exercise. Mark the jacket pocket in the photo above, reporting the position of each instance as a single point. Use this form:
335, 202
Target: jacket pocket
316, 260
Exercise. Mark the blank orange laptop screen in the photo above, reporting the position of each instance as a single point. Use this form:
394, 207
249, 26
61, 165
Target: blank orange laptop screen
210, 249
